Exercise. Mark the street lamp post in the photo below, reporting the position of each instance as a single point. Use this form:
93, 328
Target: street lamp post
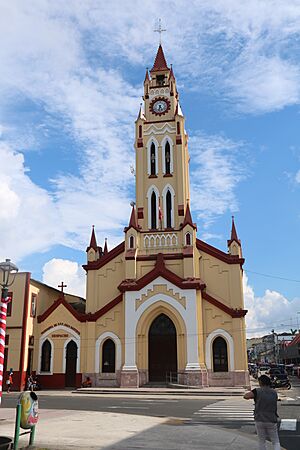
8, 272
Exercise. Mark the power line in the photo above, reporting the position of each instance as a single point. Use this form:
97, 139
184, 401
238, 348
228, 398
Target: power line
272, 276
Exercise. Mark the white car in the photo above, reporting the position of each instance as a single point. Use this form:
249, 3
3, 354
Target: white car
263, 370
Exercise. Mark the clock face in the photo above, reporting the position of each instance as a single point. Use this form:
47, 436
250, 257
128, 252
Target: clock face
160, 106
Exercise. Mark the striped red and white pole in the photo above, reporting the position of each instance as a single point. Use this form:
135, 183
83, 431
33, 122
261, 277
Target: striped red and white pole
3, 310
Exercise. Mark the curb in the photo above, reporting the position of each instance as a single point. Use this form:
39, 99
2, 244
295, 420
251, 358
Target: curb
171, 392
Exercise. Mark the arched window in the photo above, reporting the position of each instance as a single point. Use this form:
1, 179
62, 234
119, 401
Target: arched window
169, 209
108, 356
220, 356
131, 242
188, 239
153, 210
46, 356
140, 131
167, 158
178, 127
152, 159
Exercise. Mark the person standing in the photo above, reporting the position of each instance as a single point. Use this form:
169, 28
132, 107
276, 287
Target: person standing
265, 412
9, 380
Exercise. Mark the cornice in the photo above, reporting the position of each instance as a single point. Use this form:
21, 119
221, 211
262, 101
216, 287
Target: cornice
213, 251
234, 313
116, 251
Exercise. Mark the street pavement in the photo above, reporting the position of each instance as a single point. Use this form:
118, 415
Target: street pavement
170, 421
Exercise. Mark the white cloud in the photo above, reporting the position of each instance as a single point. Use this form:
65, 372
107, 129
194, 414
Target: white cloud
71, 59
72, 274
297, 177
28, 214
215, 174
271, 311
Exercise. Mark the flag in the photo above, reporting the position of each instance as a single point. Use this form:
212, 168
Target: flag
160, 214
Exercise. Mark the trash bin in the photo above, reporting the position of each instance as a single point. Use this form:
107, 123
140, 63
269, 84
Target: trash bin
5, 443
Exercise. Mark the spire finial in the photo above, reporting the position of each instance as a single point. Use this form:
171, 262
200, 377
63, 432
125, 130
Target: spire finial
105, 250
93, 241
159, 30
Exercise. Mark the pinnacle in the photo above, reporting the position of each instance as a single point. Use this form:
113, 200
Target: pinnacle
160, 62
93, 241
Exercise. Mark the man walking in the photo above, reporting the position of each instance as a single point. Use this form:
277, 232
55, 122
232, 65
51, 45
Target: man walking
265, 412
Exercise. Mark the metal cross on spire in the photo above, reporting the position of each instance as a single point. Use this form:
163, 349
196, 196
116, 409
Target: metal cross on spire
62, 286
159, 30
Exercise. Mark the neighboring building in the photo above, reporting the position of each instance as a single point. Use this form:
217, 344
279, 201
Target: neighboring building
290, 351
29, 298
268, 349
162, 304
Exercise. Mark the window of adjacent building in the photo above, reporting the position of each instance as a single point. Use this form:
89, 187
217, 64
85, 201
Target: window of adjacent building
169, 209
33, 305
31, 341
220, 356
9, 304
46, 356
153, 211
152, 159
108, 356
6, 339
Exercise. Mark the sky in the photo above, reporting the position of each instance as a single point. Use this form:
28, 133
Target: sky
71, 81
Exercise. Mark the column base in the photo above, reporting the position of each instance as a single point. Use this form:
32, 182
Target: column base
195, 378
129, 377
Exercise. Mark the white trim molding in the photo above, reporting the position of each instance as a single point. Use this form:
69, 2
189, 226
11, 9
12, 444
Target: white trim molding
151, 141
74, 336
77, 342
167, 188
208, 348
149, 194
98, 347
42, 340
188, 315
163, 146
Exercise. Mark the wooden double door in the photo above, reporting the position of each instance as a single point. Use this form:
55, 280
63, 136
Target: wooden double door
71, 364
162, 346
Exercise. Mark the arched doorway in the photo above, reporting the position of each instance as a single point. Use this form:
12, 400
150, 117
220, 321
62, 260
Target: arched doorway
162, 344
71, 363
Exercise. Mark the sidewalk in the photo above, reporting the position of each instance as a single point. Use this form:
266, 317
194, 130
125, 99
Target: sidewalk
66, 430
185, 391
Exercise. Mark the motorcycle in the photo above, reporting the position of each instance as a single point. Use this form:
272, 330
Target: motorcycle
281, 383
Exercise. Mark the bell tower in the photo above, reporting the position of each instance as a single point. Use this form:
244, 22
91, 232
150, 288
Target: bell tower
162, 159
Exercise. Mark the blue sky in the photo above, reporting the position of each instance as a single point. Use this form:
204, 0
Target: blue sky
71, 83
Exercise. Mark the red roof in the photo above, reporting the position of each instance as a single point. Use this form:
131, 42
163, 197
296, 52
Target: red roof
161, 270
132, 222
295, 341
213, 251
234, 236
81, 317
188, 218
160, 62
234, 313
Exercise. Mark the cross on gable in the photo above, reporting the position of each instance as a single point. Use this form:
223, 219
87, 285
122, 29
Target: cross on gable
159, 30
62, 286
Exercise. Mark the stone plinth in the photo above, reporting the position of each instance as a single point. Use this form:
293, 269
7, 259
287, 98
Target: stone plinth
129, 378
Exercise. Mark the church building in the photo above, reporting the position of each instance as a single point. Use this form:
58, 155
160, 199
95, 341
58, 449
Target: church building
162, 306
